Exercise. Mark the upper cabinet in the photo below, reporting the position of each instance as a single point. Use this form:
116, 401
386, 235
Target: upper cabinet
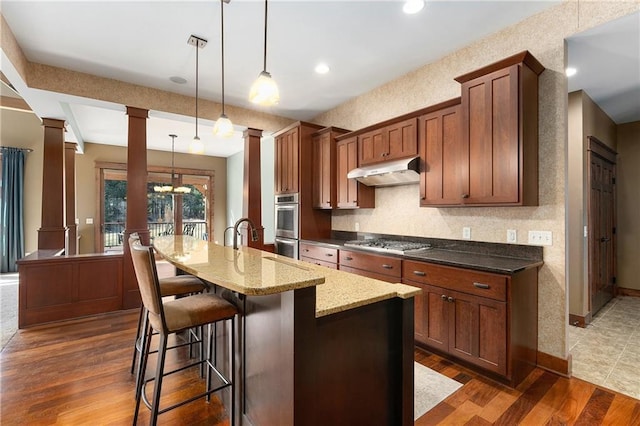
324, 168
286, 158
393, 141
500, 133
442, 157
351, 193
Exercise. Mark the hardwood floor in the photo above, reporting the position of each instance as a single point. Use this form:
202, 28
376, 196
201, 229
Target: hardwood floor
78, 373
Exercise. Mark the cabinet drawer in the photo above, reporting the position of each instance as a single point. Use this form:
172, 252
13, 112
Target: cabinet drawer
324, 254
385, 265
466, 281
319, 262
369, 274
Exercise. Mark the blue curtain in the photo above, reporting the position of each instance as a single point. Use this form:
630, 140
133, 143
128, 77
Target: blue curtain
12, 208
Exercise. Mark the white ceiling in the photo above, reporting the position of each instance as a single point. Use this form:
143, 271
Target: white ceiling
607, 60
365, 43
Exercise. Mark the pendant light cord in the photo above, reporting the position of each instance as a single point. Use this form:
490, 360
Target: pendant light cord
222, 38
264, 68
197, 51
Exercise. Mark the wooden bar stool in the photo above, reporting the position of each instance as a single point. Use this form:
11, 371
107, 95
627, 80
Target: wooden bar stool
174, 316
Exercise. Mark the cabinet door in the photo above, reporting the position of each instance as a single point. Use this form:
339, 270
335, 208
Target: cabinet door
287, 162
491, 136
442, 157
435, 317
317, 175
401, 140
478, 330
344, 185
372, 147
327, 172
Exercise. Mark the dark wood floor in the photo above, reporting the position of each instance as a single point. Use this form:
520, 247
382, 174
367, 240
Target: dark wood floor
78, 373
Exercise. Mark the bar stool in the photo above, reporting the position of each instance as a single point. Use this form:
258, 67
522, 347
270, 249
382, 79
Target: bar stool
172, 317
181, 285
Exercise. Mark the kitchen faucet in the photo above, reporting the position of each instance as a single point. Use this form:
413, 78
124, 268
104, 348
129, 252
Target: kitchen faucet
254, 231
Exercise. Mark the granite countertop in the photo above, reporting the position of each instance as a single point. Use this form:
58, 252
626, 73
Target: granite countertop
488, 257
254, 272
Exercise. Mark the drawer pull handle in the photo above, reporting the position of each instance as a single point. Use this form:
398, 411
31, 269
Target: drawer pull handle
419, 273
328, 254
385, 266
348, 258
482, 286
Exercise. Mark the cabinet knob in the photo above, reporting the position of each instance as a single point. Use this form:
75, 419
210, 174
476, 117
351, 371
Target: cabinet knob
306, 249
382, 155
328, 254
444, 297
385, 266
419, 273
465, 195
450, 299
348, 258
423, 198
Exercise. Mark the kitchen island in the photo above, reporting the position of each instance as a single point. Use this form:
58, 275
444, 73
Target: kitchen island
315, 346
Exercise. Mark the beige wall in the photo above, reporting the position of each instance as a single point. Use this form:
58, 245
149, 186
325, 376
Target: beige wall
397, 208
86, 185
628, 232
586, 119
21, 129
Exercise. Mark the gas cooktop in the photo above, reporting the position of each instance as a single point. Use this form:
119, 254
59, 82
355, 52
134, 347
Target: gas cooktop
388, 246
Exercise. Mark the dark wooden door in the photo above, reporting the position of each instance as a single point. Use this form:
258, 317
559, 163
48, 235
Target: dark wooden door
435, 317
441, 156
322, 171
345, 158
401, 140
601, 227
371, 147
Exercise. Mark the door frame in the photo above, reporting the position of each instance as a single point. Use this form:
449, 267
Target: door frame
600, 149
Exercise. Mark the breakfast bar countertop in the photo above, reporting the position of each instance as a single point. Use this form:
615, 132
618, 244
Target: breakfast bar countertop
254, 273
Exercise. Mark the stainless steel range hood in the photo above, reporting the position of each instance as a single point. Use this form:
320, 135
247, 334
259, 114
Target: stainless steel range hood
390, 173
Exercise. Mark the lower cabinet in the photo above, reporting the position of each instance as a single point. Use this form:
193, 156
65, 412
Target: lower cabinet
384, 268
466, 314
323, 256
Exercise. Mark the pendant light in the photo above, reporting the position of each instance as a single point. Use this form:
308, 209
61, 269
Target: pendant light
264, 90
223, 126
169, 189
196, 146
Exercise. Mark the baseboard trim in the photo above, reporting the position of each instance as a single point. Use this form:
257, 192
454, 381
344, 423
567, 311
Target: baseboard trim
554, 364
628, 292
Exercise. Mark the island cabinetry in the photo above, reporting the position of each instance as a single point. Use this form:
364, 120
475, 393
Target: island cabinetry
391, 142
488, 320
442, 171
323, 256
324, 168
500, 132
351, 194
384, 268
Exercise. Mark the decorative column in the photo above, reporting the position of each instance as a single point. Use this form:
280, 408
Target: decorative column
252, 189
70, 197
51, 234
136, 220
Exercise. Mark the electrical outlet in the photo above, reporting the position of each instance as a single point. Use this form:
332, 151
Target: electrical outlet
89, 221
540, 238
357, 226
512, 236
466, 233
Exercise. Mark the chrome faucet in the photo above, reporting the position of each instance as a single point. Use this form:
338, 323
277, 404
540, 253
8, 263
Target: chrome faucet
254, 231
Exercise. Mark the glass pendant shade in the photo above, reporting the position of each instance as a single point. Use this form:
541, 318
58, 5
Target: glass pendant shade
223, 127
196, 146
264, 90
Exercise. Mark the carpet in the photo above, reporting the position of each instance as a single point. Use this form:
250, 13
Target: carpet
431, 388
8, 307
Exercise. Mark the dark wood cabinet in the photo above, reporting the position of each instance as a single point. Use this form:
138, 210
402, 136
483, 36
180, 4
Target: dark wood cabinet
319, 255
384, 268
324, 168
287, 162
394, 141
350, 193
500, 132
443, 162
488, 320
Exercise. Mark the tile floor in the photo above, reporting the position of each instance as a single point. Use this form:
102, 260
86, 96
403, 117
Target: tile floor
607, 351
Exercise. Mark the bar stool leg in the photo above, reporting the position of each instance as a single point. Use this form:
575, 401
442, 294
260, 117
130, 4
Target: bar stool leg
135, 347
142, 366
146, 335
162, 351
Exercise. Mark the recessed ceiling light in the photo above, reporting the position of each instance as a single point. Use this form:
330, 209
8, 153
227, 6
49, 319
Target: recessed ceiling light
412, 6
570, 71
177, 80
322, 68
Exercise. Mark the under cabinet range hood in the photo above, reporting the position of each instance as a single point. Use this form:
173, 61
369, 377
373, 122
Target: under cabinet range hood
389, 173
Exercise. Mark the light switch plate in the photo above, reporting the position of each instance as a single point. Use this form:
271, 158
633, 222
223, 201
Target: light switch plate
466, 233
540, 238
